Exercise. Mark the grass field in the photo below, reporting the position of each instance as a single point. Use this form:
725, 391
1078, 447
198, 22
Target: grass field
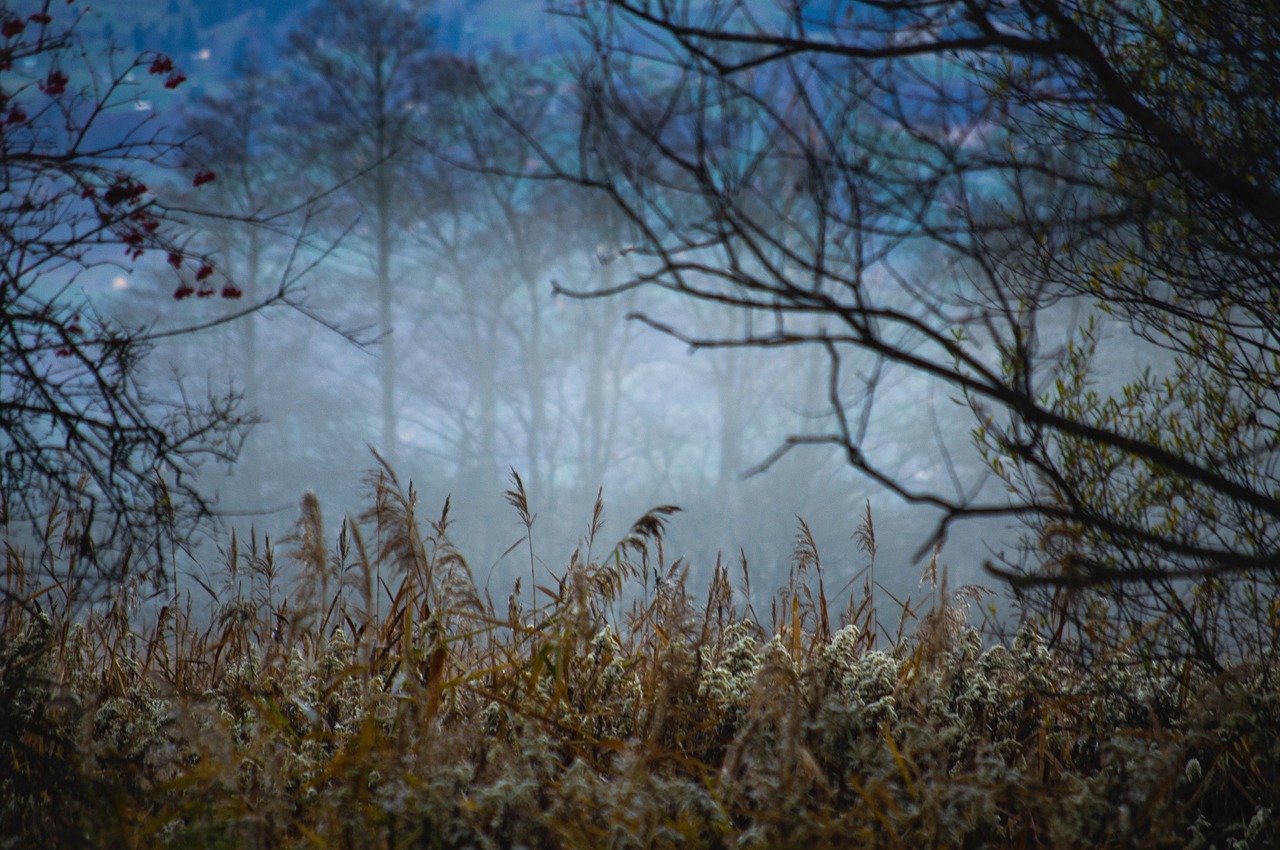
382, 701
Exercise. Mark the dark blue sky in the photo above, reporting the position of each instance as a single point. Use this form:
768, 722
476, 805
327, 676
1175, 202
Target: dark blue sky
212, 31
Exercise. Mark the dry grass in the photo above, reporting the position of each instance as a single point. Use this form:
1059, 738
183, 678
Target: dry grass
382, 700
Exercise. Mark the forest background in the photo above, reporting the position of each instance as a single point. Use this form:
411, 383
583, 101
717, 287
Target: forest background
429, 328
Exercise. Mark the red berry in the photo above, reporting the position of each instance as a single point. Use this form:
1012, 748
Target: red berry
56, 83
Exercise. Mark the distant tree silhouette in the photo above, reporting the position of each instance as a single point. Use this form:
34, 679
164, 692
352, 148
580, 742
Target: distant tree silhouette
359, 79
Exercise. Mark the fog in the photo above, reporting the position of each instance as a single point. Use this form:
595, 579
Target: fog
444, 288
663, 426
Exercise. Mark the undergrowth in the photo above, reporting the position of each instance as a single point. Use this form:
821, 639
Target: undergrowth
379, 699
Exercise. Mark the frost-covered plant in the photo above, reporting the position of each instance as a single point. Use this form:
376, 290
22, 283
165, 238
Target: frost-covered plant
727, 678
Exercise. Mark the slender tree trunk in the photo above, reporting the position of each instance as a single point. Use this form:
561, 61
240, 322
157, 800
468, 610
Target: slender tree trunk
390, 429
597, 427
251, 458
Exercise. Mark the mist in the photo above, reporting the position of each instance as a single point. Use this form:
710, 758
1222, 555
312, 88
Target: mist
431, 331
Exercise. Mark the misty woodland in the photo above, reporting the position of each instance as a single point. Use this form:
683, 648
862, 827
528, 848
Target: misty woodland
996, 275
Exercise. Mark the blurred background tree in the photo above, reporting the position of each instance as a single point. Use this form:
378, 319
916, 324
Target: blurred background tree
358, 80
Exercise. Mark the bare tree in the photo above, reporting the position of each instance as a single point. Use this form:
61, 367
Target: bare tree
234, 134
97, 455
945, 188
507, 371
91, 455
360, 78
